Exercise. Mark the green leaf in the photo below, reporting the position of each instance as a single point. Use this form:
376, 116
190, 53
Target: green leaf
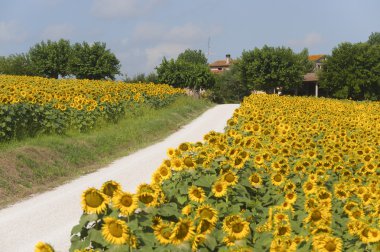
169, 209
205, 181
210, 242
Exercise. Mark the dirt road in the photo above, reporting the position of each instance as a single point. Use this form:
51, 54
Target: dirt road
50, 216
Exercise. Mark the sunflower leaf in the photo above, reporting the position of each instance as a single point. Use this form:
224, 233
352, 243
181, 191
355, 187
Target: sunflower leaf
211, 243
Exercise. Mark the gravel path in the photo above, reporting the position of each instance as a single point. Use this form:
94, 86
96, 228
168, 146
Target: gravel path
50, 216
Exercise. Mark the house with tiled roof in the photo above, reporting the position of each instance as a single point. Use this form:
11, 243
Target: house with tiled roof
221, 65
310, 80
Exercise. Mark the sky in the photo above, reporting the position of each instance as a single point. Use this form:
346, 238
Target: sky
141, 32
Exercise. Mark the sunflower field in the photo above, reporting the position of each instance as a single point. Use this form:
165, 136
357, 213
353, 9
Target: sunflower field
288, 174
32, 105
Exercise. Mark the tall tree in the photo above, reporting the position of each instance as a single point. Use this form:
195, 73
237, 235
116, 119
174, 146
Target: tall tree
16, 64
193, 57
189, 70
374, 38
353, 71
50, 59
271, 67
93, 62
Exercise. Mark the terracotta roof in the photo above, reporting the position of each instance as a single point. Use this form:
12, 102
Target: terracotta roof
310, 77
220, 63
316, 57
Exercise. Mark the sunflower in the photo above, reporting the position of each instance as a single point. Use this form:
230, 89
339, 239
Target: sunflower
110, 187
356, 213
187, 209
196, 194
125, 202
198, 239
189, 162
256, 180
327, 243
94, 201
182, 231
277, 179
290, 197
238, 162
43, 247
162, 232
208, 213
309, 187
149, 199
145, 188
177, 164
184, 147
219, 189
170, 152
115, 231
324, 195
280, 218
283, 245
230, 178
205, 227
349, 206
229, 240
236, 227
164, 172
282, 231
317, 215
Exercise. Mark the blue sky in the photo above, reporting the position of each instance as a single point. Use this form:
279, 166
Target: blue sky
142, 32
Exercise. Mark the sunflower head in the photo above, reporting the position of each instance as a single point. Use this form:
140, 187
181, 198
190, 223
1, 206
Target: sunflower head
208, 213
182, 231
43, 247
94, 201
230, 178
110, 187
126, 203
162, 232
149, 199
256, 180
115, 231
219, 188
196, 194
236, 227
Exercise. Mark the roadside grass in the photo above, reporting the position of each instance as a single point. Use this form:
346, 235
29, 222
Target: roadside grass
38, 164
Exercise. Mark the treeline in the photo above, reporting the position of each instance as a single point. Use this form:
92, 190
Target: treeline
55, 59
352, 71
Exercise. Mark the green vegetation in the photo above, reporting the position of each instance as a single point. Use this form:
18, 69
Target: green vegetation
55, 59
271, 67
37, 164
189, 70
353, 70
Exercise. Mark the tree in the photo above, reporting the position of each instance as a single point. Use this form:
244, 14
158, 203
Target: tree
188, 71
270, 67
374, 38
192, 57
228, 87
50, 59
353, 71
93, 62
16, 64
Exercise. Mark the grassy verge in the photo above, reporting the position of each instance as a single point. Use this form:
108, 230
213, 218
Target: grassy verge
38, 164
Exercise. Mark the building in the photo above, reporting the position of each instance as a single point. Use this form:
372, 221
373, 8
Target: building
310, 80
221, 65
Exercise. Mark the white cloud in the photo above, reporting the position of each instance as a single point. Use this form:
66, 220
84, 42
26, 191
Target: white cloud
58, 31
155, 54
11, 32
310, 40
122, 8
